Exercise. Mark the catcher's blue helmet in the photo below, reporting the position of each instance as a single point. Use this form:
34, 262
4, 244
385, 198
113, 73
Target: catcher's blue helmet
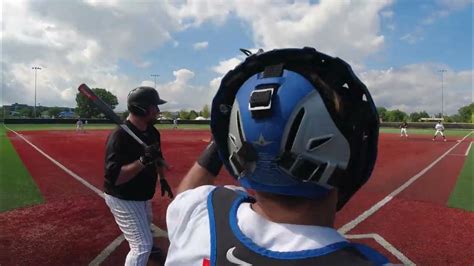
296, 122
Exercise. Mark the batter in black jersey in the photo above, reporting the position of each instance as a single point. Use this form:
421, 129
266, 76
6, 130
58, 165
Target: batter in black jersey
131, 174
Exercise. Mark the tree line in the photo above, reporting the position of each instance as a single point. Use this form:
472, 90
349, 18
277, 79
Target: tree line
464, 115
86, 109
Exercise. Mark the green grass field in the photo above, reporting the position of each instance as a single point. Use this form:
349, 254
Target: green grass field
420, 131
463, 194
25, 127
17, 188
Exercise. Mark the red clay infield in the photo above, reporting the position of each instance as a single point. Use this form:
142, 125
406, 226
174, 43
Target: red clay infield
74, 225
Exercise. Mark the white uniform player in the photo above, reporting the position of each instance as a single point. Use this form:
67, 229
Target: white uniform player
79, 125
403, 129
439, 130
175, 123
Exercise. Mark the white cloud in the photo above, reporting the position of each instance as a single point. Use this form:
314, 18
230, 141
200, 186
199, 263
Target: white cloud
182, 94
84, 41
193, 13
78, 42
350, 30
200, 45
418, 87
226, 65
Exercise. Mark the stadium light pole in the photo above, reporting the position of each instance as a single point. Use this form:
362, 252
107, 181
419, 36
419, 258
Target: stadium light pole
442, 91
35, 68
155, 76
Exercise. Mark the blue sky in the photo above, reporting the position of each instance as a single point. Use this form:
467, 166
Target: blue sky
395, 47
179, 53
448, 40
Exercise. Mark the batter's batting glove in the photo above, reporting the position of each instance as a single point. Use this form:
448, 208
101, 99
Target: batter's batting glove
151, 154
165, 188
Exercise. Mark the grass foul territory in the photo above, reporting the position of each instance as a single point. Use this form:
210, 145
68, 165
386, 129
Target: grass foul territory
17, 188
463, 194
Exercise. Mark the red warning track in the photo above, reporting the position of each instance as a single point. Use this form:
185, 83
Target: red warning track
75, 225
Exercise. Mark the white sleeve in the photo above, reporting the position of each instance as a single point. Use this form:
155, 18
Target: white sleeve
187, 219
184, 207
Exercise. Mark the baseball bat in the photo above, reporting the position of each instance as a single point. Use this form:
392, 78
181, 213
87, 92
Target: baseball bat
111, 115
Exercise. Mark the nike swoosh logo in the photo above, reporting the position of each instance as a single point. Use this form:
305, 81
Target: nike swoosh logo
231, 258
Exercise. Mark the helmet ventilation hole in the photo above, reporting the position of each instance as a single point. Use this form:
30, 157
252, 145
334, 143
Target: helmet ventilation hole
315, 143
239, 127
294, 129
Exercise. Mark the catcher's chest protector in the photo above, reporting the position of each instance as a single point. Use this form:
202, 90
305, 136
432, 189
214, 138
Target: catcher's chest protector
229, 250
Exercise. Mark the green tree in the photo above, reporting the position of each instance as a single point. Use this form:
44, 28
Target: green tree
205, 111
382, 113
54, 111
192, 115
466, 112
453, 118
415, 116
396, 116
25, 112
183, 114
166, 114
86, 109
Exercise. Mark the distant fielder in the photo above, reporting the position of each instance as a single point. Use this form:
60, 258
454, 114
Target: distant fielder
439, 130
403, 129
175, 123
79, 125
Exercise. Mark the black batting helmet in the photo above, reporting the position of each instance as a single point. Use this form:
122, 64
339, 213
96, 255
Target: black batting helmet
140, 98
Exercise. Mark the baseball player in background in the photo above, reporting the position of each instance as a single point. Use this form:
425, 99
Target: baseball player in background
403, 129
285, 126
79, 125
131, 174
439, 130
175, 123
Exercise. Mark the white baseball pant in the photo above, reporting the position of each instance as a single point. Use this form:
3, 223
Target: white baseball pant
134, 219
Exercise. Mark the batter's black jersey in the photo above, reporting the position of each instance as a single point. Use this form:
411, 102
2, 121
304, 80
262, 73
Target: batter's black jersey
122, 149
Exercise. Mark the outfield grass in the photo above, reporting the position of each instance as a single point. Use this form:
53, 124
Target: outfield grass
463, 194
17, 188
27, 127
422, 131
